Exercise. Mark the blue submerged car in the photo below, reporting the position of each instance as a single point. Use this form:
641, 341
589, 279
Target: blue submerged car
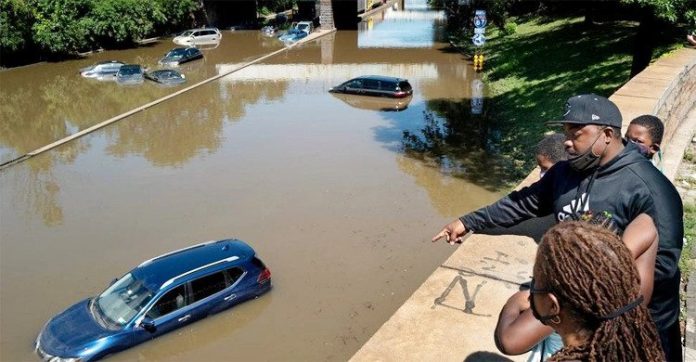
158, 296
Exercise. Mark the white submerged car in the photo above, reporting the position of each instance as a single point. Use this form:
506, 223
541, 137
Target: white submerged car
199, 36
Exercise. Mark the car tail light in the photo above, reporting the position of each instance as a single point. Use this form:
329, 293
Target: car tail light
264, 277
400, 94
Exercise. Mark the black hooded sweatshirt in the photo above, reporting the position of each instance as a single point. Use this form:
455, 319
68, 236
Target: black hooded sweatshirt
623, 188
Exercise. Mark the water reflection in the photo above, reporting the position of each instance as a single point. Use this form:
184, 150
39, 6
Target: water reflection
415, 26
374, 103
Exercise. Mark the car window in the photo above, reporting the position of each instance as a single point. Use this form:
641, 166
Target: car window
233, 274
356, 84
208, 285
405, 86
371, 84
198, 33
171, 301
387, 86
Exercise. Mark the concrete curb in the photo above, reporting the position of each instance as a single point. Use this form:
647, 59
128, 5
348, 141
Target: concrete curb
451, 316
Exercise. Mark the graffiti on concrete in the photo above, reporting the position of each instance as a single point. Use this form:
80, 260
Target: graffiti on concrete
469, 299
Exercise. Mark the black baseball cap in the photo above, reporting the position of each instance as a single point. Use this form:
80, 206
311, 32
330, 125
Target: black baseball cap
590, 109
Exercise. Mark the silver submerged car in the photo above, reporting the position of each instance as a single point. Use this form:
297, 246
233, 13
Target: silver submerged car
130, 74
103, 70
166, 76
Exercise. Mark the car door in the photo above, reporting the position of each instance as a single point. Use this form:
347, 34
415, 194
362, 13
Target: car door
371, 87
207, 293
171, 311
355, 87
234, 291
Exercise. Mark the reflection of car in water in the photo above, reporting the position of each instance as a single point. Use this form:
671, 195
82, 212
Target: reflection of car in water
374, 103
178, 56
166, 76
198, 36
130, 74
158, 296
376, 85
103, 70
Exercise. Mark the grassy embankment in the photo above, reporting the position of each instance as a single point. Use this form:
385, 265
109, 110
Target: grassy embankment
530, 75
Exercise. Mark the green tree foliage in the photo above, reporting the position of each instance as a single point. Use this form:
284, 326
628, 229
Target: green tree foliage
63, 26
178, 14
16, 18
59, 27
673, 11
124, 21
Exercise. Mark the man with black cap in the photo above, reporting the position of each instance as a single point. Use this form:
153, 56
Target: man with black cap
604, 177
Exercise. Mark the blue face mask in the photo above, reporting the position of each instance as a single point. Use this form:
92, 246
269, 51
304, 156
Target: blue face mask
642, 149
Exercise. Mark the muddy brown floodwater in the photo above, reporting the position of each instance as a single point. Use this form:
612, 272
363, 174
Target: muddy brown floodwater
333, 193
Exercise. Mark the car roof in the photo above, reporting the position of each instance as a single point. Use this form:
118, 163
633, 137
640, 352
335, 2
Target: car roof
382, 78
157, 271
126, 66
110, 62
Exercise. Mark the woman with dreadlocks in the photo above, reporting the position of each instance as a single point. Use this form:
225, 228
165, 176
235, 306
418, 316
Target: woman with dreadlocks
586, 287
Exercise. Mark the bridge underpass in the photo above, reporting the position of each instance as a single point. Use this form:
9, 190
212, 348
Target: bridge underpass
329, 14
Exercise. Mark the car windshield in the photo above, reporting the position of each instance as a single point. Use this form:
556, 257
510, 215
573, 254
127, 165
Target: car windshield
125, 70
176, 54
123, 300
187, 33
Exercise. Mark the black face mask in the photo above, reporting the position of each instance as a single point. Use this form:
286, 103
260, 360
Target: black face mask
587, 160
543, 319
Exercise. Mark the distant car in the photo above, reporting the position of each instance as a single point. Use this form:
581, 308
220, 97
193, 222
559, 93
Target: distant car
306, 26
292, 35
178, 56
268, 30
158, 296
130, 74
376, 85
198, 36
103, 70
380, 104
166, 76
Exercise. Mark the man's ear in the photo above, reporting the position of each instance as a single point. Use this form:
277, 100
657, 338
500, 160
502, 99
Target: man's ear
608, 134
655, 147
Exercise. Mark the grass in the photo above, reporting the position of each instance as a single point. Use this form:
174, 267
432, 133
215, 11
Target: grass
532, 73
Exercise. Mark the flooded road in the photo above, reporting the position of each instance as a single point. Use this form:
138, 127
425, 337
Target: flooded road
339, 196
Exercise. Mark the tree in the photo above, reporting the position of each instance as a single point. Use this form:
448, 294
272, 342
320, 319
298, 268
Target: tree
124, 21
63, 26
655, 14
16, 20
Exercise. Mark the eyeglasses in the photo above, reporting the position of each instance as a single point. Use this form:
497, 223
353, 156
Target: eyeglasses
533, 290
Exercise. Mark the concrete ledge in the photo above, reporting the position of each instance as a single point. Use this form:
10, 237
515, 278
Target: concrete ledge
452, 315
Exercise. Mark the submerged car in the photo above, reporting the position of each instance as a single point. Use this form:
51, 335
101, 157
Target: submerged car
103, 70
198, 36
159, 295
292, 35
375, 103
130, 74
166, 76
376, 85
306, 26
178, 56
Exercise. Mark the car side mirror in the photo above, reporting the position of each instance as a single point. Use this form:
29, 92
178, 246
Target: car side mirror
149, 325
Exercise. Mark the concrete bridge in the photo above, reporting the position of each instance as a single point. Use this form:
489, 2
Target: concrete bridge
329, 14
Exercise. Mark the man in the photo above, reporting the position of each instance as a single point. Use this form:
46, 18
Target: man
603, 176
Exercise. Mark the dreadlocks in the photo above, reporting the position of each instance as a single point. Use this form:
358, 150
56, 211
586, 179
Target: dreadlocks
591, 272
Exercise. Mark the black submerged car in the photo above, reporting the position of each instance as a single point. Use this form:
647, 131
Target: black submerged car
178, 56
376, 85
166, 76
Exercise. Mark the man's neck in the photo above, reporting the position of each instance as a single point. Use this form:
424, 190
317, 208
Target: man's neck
613, 149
